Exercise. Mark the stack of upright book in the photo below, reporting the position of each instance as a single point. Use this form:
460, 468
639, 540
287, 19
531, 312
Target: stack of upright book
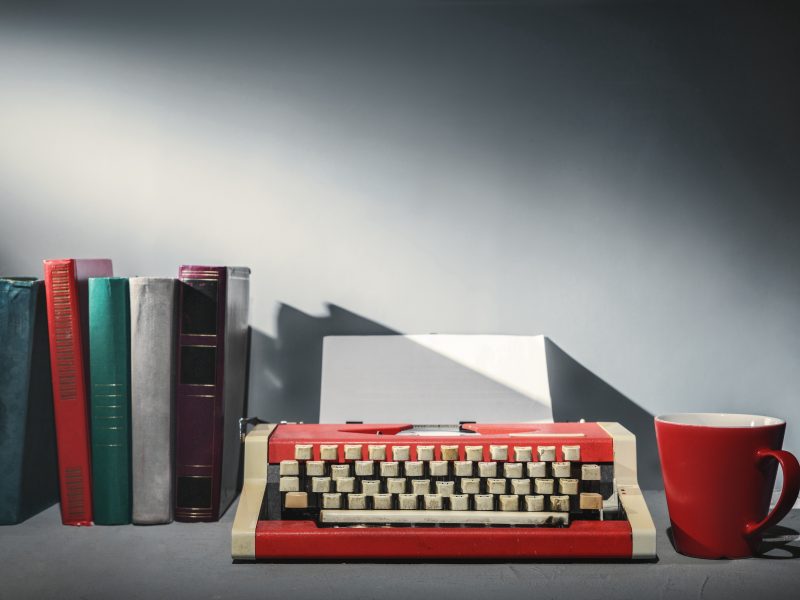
148, 385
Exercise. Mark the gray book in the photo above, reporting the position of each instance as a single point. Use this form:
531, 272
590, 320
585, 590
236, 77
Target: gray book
153, 337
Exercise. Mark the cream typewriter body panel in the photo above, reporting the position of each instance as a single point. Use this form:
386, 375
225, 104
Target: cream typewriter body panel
387, 490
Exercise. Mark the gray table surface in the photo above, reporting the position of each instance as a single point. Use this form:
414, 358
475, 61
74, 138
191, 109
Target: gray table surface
42, 559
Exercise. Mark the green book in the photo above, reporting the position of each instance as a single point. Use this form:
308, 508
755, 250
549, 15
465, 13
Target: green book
110, 377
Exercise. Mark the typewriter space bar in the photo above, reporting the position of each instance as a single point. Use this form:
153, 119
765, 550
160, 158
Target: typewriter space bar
449, 517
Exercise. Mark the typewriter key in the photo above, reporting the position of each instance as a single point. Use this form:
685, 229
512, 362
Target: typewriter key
537, 469
521, 487
425, 453
473, 453
512, 470
571, 452
376, 452
498, 452
523, 454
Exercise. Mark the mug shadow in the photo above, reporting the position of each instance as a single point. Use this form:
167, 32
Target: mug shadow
779, 542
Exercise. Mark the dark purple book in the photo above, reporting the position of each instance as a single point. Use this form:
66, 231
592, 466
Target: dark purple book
212, 370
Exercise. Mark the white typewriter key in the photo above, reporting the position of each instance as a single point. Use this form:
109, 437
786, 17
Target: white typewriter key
407, 501
296, 500
512, 470
463, 468
559, 503
590, 501
346, 484
546, 453
400, 453
590, 472
438, 468
473, 453
471, 486
425, 453
396, 485
329, 452
433, 502
449, 452
543, 486
445, 488
484, 502
523, 454
376, 452
315, 468
568, 486
508, 503
487, 469
496, 486
303, 451
537, 469
498, 452
421, 486
562, 469
364, 468
338, 471
352, 451
370, 487
571, 452
414, 468
390, 469
534, 503
320, 485
331, 500
290, 467
521, 487
289, 484
382, 501
356, 501
459, 502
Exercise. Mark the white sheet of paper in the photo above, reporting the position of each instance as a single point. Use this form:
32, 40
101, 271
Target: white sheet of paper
434, 379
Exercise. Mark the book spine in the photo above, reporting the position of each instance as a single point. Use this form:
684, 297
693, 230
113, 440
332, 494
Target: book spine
69, 392
39, 467
16, 330
199, 410
153, 328
109, 368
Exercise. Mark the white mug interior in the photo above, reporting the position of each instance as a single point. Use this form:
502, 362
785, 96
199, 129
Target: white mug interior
720, 420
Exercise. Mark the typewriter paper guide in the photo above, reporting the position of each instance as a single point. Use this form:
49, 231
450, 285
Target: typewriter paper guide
434, 379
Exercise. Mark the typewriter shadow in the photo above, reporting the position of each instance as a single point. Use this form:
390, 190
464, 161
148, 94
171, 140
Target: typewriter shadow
285, 376
580, 394
286, 370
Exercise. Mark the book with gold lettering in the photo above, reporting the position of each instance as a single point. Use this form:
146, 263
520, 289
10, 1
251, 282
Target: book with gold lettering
66, 285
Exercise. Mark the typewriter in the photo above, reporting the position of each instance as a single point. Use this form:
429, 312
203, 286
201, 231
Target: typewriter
471, 491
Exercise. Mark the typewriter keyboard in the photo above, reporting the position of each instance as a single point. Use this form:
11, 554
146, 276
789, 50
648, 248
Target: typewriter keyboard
497, 485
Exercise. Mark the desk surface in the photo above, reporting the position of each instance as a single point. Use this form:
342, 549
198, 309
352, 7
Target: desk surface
42, 559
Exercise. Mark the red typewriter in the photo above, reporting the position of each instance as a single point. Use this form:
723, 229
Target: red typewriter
472, 491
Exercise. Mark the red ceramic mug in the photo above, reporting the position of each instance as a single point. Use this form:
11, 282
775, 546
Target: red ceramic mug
719, 471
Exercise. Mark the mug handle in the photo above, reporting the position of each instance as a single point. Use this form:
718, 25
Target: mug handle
791, 487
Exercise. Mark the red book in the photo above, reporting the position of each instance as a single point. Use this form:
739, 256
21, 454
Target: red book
66, 283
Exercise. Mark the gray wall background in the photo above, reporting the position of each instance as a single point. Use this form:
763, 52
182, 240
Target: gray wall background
621, 176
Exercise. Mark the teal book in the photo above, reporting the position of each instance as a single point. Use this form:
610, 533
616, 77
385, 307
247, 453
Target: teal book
28, 461
110, 405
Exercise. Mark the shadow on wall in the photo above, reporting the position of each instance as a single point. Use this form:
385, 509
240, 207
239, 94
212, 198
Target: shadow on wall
580, 394
286, 371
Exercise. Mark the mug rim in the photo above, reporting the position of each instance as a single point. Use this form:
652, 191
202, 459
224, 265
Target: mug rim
737, 420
